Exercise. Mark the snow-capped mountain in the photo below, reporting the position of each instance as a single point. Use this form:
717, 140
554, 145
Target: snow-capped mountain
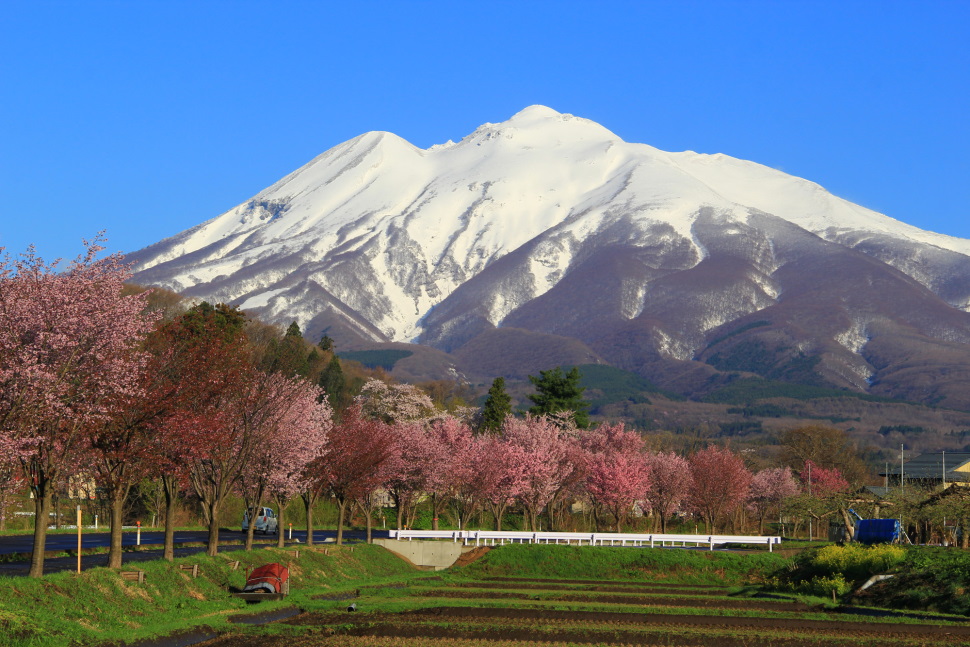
551, 224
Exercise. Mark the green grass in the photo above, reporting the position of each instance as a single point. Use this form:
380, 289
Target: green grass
928, 579
98, 606
624, 564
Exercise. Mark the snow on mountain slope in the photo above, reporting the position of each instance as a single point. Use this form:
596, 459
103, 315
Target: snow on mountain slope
799, 201
380, 233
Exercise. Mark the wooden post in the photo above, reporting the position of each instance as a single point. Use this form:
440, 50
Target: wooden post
79, 540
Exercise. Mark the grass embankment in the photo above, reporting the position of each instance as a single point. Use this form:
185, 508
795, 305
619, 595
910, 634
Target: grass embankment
98, 605
924, 578
622, 564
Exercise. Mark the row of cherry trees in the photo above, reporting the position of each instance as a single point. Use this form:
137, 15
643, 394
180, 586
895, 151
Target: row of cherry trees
539, 465
97, 387
100, 387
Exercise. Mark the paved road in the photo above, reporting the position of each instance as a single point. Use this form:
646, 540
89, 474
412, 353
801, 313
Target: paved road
151, 543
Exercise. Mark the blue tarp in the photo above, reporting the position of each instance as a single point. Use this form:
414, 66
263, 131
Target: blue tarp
878, 531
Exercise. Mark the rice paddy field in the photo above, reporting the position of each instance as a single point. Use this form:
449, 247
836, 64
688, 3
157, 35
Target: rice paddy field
676, 598
513, 596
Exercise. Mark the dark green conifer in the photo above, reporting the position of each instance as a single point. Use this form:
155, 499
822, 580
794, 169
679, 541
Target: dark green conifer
556, 392
333, 383
498, 405
294, 330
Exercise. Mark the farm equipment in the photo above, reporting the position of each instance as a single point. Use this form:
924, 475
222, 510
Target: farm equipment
877, 531
268, 582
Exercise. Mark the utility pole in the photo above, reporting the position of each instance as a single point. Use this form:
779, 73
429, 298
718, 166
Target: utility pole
902, 468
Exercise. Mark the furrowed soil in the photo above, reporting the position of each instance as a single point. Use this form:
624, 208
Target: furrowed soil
507, 612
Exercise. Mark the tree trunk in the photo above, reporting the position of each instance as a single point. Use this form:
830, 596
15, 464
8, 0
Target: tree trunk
849, 526
498, 511
213, 546
251, 529
42, 511
171, 500
533, 517
117, 520
279, 523
434, 511
370, 525
555, 506
341, 511
619, 519
308, 501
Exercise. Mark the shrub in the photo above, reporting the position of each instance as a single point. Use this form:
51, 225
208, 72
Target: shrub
838, 568
858, 562
824, 586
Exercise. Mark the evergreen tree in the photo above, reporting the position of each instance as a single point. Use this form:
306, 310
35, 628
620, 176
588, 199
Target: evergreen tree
326, 343
287, 354
333, 383
556, 392
205, 320
294, 330
498, 405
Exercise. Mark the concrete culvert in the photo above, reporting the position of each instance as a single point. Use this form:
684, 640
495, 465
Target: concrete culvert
352, 607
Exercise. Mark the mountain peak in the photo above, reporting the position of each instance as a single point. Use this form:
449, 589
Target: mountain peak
541, 127
534, 113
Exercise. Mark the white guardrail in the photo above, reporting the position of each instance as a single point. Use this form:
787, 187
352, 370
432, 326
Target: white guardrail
493, 538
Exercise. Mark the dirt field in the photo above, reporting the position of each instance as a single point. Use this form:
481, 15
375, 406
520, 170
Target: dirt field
510, 612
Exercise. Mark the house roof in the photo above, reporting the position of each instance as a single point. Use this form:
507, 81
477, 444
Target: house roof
931, 466
875, 490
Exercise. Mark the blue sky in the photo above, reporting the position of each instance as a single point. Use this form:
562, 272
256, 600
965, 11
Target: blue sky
145, 118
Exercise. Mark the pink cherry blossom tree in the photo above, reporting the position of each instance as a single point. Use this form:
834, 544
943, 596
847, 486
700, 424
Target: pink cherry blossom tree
68, 346
821, 481
500, 474
190, 355
214, 426
769, 489
289, 420
618, 474
466, 498
117, 454
222, 443
300, 440
448, 440
670, 484
721, 483
544, 466
395, 402
359, 457
10, 482
407, 483
824, 490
